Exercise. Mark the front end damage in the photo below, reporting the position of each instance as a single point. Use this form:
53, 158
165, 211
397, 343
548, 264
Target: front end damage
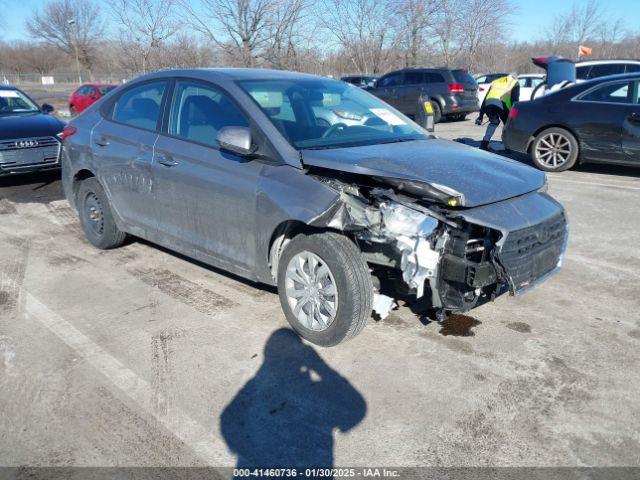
452, 257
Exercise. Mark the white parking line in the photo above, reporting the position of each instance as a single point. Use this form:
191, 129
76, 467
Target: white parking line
596, 184
204, 442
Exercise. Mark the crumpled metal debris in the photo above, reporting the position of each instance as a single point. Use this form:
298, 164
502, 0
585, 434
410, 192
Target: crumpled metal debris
382, 305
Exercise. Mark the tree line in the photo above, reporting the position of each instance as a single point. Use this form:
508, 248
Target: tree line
328, 37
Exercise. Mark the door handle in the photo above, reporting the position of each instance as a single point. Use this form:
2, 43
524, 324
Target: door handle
102, 141
166, 160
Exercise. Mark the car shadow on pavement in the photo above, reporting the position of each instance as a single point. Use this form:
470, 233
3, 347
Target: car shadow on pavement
286, 414
37, 187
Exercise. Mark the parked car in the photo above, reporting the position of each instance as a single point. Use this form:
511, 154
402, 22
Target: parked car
601, 68
484, 82
528, 83
28, 134
361, 81
452, 92
594, 121
86, 95
208, 163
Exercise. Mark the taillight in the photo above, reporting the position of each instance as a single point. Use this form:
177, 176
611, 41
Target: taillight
456, 88
67, 132
513, 113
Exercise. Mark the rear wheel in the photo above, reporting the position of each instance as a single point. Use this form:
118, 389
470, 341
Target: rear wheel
437, 111
325, 288
96, 217
554, 150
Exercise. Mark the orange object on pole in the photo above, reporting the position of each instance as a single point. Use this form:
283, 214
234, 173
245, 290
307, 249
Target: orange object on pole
582, 50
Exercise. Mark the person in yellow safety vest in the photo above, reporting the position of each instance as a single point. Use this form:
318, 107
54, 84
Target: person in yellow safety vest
502, 94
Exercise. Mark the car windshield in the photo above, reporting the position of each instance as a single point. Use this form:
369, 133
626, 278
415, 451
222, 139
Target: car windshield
14, 101
319, 114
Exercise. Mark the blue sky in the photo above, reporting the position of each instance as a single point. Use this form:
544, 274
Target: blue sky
528, 21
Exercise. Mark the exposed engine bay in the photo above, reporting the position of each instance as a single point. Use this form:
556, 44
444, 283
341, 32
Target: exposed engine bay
456, 257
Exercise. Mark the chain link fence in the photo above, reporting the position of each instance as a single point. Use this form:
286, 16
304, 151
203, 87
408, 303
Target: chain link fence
66, 79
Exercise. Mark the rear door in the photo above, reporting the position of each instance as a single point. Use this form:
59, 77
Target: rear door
206, 198
600, 113
409, 92
122, 145
631, 127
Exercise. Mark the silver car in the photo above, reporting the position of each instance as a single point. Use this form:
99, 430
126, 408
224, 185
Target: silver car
234, 168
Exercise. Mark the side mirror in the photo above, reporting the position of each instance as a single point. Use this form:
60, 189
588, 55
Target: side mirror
235, 140
46, 108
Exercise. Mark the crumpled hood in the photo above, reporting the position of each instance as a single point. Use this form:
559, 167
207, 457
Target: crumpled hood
481, 176
29, 125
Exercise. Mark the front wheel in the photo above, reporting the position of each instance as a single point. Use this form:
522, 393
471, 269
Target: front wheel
554, 150
325, 287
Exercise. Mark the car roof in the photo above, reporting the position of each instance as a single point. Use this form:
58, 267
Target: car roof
605, 61
235, 74
8, 87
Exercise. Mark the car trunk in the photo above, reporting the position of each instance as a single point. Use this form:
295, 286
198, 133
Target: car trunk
465, 79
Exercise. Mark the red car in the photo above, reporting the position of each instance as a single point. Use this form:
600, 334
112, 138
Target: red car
86, 94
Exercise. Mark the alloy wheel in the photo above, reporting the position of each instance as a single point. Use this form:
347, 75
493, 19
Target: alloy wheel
311, 291
94, 214
553, 150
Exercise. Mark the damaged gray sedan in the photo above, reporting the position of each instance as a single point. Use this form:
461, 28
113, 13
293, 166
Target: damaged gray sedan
235, 168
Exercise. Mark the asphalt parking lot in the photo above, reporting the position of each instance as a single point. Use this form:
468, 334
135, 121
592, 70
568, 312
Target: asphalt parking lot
138, 356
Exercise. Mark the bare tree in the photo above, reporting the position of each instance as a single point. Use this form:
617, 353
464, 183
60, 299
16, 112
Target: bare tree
144, 26
240, 27
584, 22
73, 26
286, 35
413, 21
362, 29
484, 22
446, 30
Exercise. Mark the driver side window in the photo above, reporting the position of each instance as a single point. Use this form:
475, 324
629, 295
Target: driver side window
390, 80
200, 111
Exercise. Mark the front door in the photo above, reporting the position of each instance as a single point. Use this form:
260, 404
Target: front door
599, 115
205, 197
123, 147
386, 88
631, 127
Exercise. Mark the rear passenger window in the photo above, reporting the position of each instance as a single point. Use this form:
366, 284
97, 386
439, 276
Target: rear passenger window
632, 67
413, 78
433, 78
200, 111
140, 106
612, 93
606, 69
582, 73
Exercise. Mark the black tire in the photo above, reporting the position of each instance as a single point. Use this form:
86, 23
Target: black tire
437, 111
96, 217
457, 117
352, 282
565, 140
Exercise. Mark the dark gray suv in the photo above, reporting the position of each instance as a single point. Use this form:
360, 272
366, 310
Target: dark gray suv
453, 93
235, 168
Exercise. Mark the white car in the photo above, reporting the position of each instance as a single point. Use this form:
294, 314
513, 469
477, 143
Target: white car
528, 82
484, 82
600, 68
